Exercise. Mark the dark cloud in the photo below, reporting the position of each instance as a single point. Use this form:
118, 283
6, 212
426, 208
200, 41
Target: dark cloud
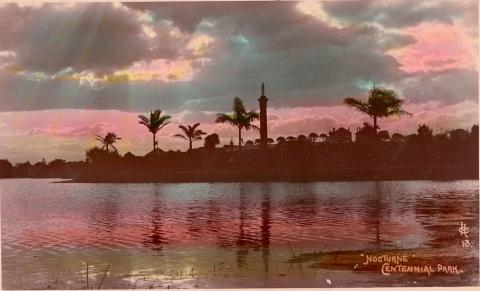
303, 60
96, 37
187, 15
398, 14
449, 86
268, 25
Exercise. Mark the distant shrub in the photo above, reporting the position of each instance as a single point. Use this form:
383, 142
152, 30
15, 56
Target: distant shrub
98, 155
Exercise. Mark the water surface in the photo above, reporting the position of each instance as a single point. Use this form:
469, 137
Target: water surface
216, 235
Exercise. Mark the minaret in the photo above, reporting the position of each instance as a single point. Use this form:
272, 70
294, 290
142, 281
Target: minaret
263, 117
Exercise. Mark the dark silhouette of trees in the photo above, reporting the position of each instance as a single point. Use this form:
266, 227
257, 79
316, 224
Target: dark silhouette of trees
424, 132
23, 169
249, 143
301, 138
211, 141
381, 103
323, 136
154, 123
441, 137
459, 135
313, 136
270, 140
440, 157
281, 140
6, 169
57, 167
366, 134
398, 137
108, 140
57, 163
474, 132
98, 155
383, 135
291, 138
241, 118
190, 133
129, 157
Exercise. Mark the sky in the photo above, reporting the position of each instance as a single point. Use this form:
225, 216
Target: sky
70, 71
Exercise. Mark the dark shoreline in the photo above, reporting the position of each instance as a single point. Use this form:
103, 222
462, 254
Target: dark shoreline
291, 162
337, 175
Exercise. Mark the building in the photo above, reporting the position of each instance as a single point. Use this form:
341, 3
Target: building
365, 134
340, 135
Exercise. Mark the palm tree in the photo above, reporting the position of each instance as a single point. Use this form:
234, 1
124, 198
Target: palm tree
313, 136
108, 140
190, 133
154, 123
241, 118
380, 103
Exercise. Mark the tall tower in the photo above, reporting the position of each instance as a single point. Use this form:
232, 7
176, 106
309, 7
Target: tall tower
263, 117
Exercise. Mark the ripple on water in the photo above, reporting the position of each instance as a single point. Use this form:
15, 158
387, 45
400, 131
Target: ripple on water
238, 220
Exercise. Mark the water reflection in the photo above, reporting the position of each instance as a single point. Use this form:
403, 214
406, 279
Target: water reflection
266, 208
301, 204
246, 242
441, 212
246, 225
242, 242
194, 227
105, 214
157, 237
376, 209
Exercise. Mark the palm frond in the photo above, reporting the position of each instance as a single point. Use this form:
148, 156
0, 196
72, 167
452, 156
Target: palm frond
180, 136
253, 115
238, 106
164, 119
225, 118
357, 104
184, 129
199, 132
195, 126
247, 126
144, 119
399, 112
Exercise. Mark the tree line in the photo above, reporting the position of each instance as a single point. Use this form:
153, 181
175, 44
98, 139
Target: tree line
381, 103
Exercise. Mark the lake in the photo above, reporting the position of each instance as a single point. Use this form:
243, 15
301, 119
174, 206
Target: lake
232, 235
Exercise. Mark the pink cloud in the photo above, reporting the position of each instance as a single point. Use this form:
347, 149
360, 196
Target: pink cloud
80, 131
438, 47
